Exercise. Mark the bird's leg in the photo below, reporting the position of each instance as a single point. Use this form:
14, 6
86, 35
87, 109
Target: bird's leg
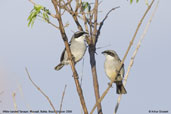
109, 84
73, 58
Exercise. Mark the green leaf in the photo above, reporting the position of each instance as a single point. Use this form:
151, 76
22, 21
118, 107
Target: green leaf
32, 22
40, 11
38, 7
131, 1
85, 5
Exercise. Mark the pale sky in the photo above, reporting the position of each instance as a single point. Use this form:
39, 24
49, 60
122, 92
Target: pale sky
39, 49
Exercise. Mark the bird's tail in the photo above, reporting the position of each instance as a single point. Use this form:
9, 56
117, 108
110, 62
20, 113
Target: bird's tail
120, 89
59, 66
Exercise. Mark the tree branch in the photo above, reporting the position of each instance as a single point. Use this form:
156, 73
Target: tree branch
131, 43
102, 22
41, 91
65, 39
92, 50
134, 54
73, 13
62, 99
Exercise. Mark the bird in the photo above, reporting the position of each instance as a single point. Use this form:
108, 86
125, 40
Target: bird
78, 48
111, 66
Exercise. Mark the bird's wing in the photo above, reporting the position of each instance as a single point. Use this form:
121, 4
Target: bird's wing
62, 56
63, 53
71, 40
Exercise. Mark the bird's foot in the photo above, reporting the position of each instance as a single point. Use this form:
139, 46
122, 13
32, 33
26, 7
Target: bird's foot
109, 84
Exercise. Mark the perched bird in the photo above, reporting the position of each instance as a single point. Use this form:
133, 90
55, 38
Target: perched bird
111, 65
78, 49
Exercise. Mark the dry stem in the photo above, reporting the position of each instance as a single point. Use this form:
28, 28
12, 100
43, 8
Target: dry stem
63, 94
102, 22
38, 88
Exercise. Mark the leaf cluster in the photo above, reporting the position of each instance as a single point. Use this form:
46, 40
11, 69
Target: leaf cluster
38, 11
131, 1
84, 6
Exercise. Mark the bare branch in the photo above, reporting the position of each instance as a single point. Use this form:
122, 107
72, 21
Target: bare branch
53, 24
41, 91
65, 39
131, 43
92, 50
77, 5
134, 54
63, 94
95, 20
102, 22
73, 13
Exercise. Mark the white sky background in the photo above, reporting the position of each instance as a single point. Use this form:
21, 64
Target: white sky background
39, 49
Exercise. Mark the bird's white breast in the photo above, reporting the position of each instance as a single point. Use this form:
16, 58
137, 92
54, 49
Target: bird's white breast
111, 66
78, 48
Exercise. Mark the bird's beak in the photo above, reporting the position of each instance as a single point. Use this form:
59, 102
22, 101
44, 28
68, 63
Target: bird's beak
86, 33
103, 52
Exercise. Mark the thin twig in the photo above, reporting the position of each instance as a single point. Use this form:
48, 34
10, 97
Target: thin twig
102, 22
77, 6
103, 47
131, 43
73, 13
134, 55
44, 19
53, 24
14, 101
95, 20
63, 94
38, 88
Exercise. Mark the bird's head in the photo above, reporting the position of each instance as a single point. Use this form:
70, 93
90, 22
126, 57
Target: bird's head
110, 54
80, 35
